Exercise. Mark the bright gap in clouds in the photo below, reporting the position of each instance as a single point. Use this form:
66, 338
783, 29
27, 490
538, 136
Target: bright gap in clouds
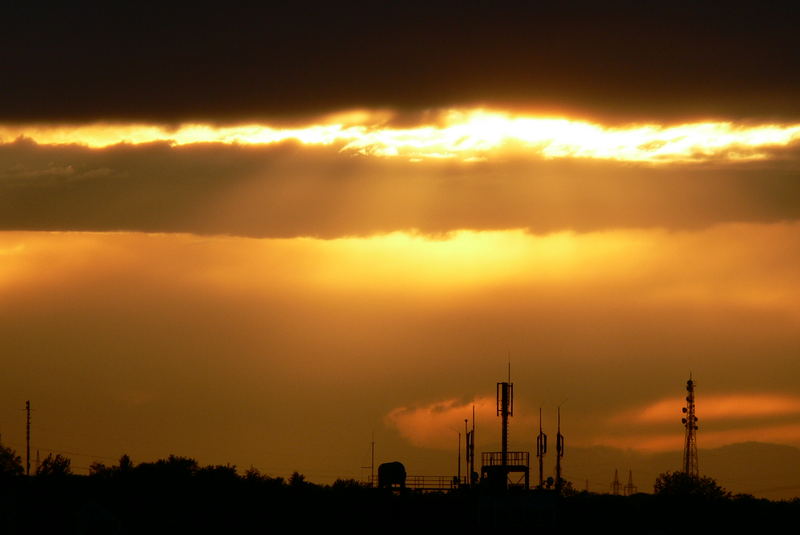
465, 135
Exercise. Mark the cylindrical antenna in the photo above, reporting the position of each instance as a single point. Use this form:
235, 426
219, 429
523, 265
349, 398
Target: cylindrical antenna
559, 452
541, 449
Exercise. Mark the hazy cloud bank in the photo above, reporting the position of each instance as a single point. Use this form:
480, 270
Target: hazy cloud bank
289, 190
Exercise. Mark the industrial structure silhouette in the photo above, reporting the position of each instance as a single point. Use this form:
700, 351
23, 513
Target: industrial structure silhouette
506, 469
499, 470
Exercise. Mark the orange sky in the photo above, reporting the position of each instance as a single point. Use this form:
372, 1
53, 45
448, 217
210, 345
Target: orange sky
261, 235
277, 305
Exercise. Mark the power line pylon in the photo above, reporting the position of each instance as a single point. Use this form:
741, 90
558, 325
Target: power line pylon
690, 465
615, 485
629, 488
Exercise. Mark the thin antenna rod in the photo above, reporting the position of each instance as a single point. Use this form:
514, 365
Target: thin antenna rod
372, 462
472, 448
28, 439
466, 452
459, 458
559, 452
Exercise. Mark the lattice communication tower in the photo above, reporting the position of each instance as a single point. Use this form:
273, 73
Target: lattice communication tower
689, 421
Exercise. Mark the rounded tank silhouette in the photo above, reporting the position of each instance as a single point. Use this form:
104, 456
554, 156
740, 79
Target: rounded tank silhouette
391, 474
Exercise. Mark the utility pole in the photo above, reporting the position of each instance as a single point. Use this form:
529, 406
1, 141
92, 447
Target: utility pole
372, 461
459, 456
28, 439
466, 450
690, 465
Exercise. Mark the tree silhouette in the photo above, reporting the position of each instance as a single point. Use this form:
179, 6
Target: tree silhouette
686, 485
54, 466
125, 464
10, 462
98, 469
217, 473
348, 484
297, 480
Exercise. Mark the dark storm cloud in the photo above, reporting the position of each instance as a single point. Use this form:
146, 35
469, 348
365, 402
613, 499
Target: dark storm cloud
621, 60
288, 190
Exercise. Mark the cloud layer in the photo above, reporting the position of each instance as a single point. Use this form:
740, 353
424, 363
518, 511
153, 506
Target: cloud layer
290, 190
627, 60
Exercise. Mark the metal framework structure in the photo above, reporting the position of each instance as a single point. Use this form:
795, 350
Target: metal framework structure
690, 464
505, 408
497, 466
428, 483
615, 485
629, 488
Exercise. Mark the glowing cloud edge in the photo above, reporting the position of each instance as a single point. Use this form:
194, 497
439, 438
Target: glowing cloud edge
456, 134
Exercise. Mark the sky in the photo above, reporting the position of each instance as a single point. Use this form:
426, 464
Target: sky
266, 235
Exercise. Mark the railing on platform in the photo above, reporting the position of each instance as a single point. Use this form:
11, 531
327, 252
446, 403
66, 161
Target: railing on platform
431, 483
513, 458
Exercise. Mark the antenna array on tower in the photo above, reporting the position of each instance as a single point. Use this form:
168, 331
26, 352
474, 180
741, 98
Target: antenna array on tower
690, 465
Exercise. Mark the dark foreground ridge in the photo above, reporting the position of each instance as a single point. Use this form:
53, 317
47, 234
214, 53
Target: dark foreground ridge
176, 495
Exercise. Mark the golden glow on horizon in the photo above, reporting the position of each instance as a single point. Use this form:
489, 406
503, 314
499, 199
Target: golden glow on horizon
649, 263
416, 281
466, 135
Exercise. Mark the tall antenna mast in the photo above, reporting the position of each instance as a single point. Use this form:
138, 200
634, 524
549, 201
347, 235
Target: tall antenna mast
471, 448
505, 408
541, 449
690, 465
559, 452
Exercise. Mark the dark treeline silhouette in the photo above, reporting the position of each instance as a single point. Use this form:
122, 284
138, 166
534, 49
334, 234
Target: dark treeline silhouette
178, 495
